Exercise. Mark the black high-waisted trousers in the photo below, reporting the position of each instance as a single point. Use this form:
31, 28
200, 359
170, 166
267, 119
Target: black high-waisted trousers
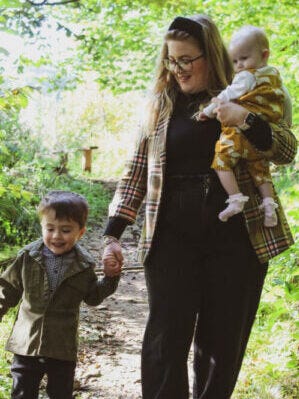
204, 284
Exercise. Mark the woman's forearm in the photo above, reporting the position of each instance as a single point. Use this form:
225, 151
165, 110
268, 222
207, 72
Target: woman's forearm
115, 227
277, 138
259, 134
284, 144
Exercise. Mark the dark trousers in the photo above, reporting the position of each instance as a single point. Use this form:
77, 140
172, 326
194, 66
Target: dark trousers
27, 373
204, 284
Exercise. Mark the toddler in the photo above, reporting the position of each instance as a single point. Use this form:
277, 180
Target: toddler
50, 278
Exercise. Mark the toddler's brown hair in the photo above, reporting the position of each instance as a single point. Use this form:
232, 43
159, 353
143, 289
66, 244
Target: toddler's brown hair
66, 204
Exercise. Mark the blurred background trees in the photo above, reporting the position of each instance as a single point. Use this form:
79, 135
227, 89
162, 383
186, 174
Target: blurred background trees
74, 74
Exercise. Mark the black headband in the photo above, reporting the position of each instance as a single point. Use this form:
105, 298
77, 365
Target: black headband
189, 26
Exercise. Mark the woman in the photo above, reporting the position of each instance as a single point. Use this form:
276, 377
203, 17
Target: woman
204, 277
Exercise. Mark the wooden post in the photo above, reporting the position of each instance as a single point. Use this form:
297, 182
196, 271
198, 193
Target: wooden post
87, 158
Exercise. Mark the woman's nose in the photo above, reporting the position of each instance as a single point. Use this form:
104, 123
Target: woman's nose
177, 68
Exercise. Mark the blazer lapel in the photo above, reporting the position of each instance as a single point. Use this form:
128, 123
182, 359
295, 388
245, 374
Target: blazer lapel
162, 134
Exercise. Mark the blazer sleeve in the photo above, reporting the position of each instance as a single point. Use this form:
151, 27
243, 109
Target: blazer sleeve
11, 287
276, 141
131, 189
101, 289
284, 144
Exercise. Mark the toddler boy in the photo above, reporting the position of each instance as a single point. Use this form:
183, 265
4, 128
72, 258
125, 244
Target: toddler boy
50, 278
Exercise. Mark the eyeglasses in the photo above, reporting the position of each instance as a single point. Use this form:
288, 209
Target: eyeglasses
184, 64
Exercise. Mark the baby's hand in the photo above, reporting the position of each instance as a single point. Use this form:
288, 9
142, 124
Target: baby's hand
202, 117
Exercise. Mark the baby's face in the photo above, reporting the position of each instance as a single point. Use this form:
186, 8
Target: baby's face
246, 56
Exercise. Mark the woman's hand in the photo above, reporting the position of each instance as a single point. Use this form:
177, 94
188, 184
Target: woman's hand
229, 113
112, 258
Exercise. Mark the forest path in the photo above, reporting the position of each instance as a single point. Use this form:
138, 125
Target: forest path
111, 333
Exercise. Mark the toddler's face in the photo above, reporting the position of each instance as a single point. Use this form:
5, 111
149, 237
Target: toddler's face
246, 55
60, 235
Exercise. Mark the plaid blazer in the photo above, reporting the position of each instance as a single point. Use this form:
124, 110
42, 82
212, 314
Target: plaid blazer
143, 179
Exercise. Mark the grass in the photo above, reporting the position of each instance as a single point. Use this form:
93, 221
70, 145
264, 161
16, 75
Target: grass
8, 251
5, 357
270, 368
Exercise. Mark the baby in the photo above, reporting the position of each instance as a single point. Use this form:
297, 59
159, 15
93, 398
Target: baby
257, 87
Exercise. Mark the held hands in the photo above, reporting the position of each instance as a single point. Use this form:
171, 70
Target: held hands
229, 113
112, 258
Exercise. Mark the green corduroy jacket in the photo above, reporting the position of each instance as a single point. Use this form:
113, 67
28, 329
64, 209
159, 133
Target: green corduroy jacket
48, 325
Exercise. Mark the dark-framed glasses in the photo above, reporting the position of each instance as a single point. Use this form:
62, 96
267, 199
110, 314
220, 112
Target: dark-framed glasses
185, 64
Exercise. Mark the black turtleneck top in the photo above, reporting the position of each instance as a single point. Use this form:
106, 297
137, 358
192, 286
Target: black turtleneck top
190, 145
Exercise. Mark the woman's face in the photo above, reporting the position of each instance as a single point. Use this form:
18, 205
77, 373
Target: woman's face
193, 78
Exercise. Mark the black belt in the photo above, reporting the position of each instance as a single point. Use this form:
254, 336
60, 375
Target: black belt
183, 182
202, 177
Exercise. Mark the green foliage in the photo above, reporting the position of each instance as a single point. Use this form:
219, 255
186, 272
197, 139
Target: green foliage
27, 172
16, 218
120, 39
270, 369
86, 117
98, 198
19, 223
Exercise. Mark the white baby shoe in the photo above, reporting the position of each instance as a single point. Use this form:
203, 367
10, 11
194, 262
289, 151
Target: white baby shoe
235, 205
270, 216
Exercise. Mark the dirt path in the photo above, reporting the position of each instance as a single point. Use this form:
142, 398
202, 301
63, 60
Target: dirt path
111, 334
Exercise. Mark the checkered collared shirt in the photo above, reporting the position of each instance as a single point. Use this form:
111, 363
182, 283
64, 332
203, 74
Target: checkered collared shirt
56, 266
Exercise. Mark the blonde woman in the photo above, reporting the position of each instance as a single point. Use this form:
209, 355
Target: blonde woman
204, 277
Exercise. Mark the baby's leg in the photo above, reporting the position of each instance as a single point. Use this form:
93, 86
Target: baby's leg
227, 153
229, 182
266, 189
268, 204
260, 172
236, 199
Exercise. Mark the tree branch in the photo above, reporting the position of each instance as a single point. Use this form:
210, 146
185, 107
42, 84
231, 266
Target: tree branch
37, 4
55, 3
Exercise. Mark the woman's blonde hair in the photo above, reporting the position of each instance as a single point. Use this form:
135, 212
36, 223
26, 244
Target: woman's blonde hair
219, 68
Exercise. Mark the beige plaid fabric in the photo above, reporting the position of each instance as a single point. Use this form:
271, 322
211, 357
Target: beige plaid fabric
143, 180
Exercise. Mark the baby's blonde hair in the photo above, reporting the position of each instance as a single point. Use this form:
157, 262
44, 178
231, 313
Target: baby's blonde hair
250, 32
